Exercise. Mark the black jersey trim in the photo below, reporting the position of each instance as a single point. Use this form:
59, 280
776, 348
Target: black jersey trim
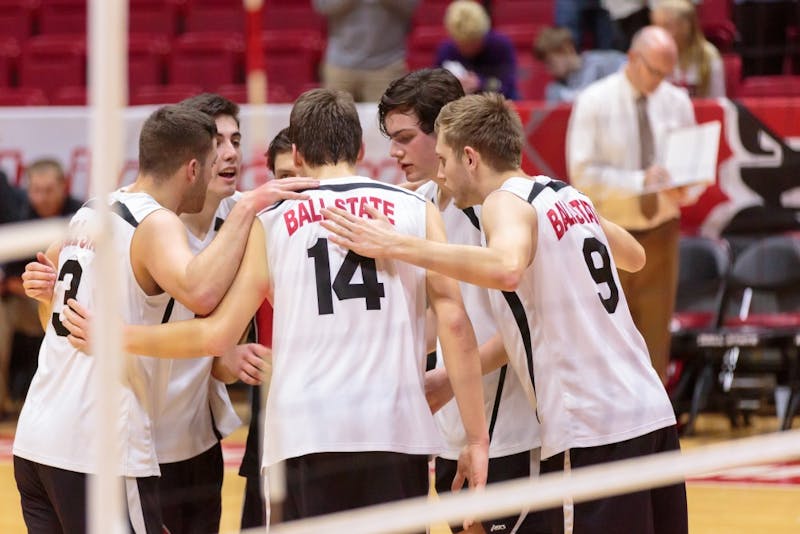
473, 217
168, 310
122, 210
496, 408
538, 187
521, 318
340, 188
218, 223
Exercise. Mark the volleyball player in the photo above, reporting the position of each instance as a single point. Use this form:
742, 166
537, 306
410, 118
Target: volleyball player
551, 262
281, 164
53, 449
347, 410
407, 113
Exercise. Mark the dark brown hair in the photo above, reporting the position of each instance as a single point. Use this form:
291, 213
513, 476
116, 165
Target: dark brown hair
214, 105
423, 92
325, 128
173, 135
280, 144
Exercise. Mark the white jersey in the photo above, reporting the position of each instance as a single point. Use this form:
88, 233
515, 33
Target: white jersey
196, 402
56, 426
568, 328
512, 422
349, 331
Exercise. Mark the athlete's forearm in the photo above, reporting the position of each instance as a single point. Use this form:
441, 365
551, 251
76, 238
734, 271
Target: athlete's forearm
492, 354
182, 339
45, 310
460, 353
480, 266
212, 271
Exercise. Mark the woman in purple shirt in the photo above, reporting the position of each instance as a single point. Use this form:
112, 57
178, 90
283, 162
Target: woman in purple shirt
481, 58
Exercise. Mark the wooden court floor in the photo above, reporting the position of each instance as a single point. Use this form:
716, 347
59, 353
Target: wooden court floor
758, 500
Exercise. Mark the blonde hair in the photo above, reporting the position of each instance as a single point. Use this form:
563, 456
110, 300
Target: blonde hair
487, 123
699, 52
466, 20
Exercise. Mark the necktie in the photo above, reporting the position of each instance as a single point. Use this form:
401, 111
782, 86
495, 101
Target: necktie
648, 202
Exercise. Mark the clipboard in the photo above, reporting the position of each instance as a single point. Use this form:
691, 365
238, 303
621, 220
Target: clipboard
690, 154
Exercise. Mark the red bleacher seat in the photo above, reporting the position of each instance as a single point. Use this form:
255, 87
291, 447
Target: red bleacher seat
63, 16
163, 94
155, 17
50, 62
721, 33
22, 96
16, 18
276, 94
9, 58
291, 58
422, 46
522, 35
733, 74
714, 11
71, 95
298, 16
534, 12
147, 59
532, 77
430, 14
207, 59
766, 86
223, 17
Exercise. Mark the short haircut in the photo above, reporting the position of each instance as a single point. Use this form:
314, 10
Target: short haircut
551, 40
173, 135
325, 128
280, 144
423, 92
487, 123
466, 20
46, 164
213, 104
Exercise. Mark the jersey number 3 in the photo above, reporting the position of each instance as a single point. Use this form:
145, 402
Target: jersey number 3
75, 271
369, 289
601, 274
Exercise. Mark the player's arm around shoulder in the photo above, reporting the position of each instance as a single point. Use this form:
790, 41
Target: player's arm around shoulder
511, 229
222, 329
628, 253
160, 255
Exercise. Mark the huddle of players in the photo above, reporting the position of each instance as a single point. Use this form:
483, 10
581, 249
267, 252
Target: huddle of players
347, 409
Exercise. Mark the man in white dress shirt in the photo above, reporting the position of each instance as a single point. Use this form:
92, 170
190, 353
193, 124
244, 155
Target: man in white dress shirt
616, 133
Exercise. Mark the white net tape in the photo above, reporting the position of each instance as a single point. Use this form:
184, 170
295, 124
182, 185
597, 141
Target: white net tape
23, 240
550, 490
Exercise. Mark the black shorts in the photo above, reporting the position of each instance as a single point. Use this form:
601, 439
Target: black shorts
500, 469
191, 493
330, 482
54, 500
654, 511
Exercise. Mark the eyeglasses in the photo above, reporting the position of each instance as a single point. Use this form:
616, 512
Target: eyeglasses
653, 71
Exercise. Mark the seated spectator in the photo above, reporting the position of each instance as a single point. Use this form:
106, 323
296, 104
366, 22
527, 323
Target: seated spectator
700, 68
10, 200
47, 196
482, 59
571, 71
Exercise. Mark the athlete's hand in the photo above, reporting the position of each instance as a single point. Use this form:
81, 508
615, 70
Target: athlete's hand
248, 362
473, 466
372, 237
276, 190
438, 390
39, 279
77, 319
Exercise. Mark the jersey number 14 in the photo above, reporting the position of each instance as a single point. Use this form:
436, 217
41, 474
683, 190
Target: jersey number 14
369, 289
